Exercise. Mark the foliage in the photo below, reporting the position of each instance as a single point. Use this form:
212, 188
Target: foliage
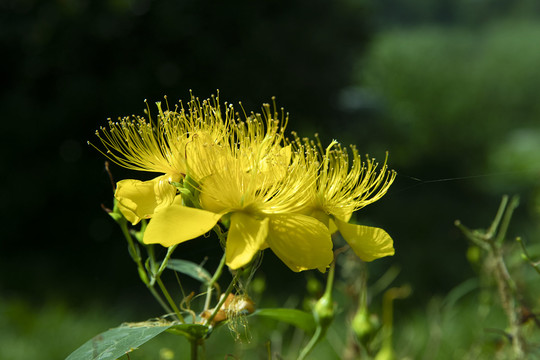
456, 107
477, 85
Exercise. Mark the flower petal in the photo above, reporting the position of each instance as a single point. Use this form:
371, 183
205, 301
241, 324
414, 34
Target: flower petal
369, 243
177, 223
325, 219
141, 199
247, 236
214, 196
300, 241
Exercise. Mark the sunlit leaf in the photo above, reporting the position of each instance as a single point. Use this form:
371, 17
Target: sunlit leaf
297, 318
190, 268
116, 342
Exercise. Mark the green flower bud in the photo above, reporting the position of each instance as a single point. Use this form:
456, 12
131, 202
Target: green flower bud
313, 286
323, 311
364, 325
473, 254
386, 353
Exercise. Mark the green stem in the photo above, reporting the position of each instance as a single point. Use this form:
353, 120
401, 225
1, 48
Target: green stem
317, 336
140, 267
194, 349
163, 304
477, 239
222, 300
495, 224
506, 220
507, 294
496, 266
134, 252
165, 261
323, 313
330, 280
151, 256
169, 299
534, 264
212, 281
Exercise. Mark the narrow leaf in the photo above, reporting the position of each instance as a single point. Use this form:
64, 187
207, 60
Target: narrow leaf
190, 268
114, 343
298, 318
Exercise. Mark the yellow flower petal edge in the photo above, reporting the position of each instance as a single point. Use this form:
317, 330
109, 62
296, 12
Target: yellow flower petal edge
177, 223
300, 241
247, 236
369, 243
139, 200
325, 219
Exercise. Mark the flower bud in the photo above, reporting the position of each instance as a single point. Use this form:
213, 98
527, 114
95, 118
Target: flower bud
386, 353
364, 325
323, 311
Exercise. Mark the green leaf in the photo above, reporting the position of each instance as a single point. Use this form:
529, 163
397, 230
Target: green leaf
116, 342
191, 269
193, 331
298, 318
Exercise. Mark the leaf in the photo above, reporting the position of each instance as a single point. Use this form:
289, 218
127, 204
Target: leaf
298, 318
116, 342
194, 331
191, 269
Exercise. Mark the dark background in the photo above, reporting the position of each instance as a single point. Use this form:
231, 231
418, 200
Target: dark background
449, 88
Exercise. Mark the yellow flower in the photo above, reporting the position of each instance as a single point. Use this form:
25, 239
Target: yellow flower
160, 147
257, 185
345, 186
267, 191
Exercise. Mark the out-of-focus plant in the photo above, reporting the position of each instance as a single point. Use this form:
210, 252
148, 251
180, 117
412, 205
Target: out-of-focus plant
243, 179
488, 250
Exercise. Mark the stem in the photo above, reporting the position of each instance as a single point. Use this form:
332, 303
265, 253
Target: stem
222, 300
388, 314
133, 250
323, 314
140, 267
317, 336
506, 220
212, 281
492, 242
330, 279
163, 265
495, 224
159, 299
194, 349
507, 294
169, 299
151, 256
534, 264
477, 239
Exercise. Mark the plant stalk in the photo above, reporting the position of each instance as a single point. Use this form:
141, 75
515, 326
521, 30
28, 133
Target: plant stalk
212, 281
222, 299
170, 300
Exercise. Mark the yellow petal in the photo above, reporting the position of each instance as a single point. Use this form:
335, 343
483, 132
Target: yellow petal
369, 243
300, 241
141, 199
215, 196
332, 226
325, 219
246, 237
321, 216
128, 214
177, 223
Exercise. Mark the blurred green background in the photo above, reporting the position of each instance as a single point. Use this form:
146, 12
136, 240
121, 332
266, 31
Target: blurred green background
449, 88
